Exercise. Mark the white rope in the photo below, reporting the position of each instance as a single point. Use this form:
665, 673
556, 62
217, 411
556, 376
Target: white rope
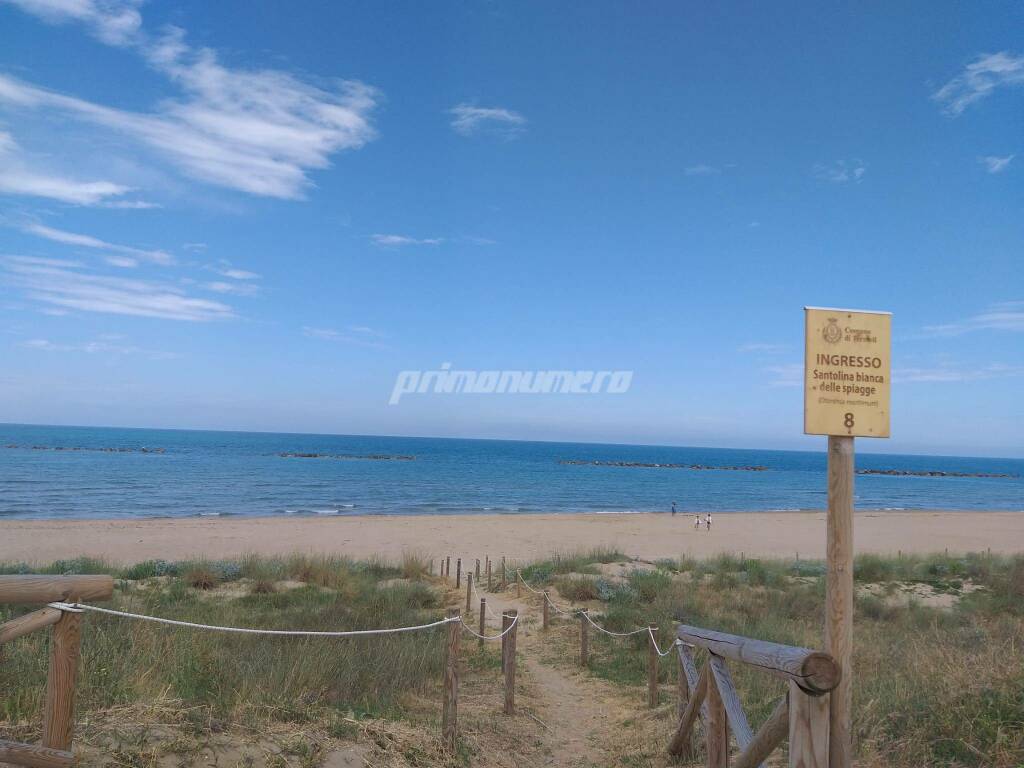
490, 637
609, 632
657, 649
535, 591
487, 608
242, 630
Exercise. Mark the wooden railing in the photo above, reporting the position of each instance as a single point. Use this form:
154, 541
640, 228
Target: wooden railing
802, 714
59, 709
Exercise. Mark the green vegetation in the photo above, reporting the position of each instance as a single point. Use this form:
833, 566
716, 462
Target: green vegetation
937, 684
244, 679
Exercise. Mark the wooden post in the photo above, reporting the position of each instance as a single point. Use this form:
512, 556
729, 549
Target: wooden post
808, 729
505, 621
477, 573
450, 709
59, 714
458, 573
488, 574
509, 656
584, 640
545, 611
519, 578
448, 566
483, 620
716, 727
469, 592
504, 575
682, 689
839, 596
652, 667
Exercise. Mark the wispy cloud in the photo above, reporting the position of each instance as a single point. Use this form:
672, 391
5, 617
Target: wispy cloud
224, 268
1004, 316
257, 131
64, 284
841, 171
359, 335
18, 179
702, 170
995, 164
952, 374
115, 22
395, 241
468, 120
127, 256
764, 348
102, 345
236, 289
788, 375
979, 79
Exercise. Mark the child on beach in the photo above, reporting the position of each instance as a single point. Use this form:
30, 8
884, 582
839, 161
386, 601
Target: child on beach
707, 520
696, 522
673, 509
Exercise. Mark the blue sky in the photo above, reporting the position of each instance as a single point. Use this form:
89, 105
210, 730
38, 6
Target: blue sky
253, 216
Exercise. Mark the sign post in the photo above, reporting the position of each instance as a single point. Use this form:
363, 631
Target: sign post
847, 372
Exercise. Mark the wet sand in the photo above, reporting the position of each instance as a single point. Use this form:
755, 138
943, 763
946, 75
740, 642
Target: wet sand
517, 537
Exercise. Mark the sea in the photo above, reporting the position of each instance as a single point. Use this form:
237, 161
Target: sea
53, 472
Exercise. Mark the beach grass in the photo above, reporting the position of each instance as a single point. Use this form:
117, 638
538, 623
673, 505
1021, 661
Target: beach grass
939, 643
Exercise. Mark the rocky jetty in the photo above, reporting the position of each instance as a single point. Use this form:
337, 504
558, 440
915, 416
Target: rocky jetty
929, 473
649, 465
368, 457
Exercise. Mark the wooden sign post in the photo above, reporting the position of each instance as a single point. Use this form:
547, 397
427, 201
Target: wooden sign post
847, 372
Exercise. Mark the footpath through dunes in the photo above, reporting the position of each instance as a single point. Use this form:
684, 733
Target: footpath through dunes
565, 717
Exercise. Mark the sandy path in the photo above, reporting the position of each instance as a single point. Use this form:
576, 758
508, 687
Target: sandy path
519, 537
577, 712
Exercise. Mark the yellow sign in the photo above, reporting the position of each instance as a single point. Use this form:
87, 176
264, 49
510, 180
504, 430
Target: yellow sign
847, 369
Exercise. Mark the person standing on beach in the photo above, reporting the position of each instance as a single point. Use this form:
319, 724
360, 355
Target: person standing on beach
707, 520
696, 522
673, 509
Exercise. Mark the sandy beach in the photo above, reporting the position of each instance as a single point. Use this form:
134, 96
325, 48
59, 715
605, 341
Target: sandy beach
517, 537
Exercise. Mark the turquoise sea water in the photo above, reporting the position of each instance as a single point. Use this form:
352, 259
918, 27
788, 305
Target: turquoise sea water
235, 473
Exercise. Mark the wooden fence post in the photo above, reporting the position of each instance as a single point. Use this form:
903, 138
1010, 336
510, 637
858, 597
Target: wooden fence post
458, 573
584, 640
477, 573
509, 655
505, 622
59, 714
519, 578
469, 592
716, 727
545, 611
808, 729
450, 710
504, 575
448, 566
488, 574
682, 688
652, 667
483, 619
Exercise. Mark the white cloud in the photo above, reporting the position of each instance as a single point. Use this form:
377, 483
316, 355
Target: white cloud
392, 241
128, 256
63, 284
979, 79
1004, 316
841, 171
256, 131
238, 289
115, 22
763, 348
951, 374
102, 345
702, 170
131, 205
17, 179
360, 335
788, 375
468, 120
995, 164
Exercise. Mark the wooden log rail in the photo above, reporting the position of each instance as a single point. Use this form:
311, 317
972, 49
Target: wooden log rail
802, 714
59, 713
